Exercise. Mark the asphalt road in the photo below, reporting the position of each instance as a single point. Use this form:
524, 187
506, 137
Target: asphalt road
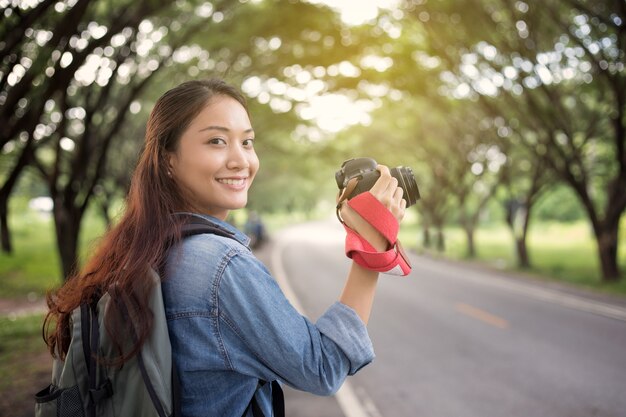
453, 340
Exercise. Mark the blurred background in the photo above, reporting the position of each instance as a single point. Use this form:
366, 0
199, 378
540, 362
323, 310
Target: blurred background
512, 115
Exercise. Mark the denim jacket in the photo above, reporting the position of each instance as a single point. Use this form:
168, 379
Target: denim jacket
230, 326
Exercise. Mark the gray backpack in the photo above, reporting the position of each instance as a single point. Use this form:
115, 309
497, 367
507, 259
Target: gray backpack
144, 386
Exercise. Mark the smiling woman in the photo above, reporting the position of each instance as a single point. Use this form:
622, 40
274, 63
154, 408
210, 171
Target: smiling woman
230, 326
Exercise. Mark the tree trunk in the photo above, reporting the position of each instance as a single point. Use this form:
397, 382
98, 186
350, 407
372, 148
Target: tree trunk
426, 232
441, 241
5, 193
523, 260
4, 226
471, 247
67, 223
104, 210
519, 237
606, 236
606, 230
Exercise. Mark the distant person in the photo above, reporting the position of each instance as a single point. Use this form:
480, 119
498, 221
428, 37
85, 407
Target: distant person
230, 325
255, 230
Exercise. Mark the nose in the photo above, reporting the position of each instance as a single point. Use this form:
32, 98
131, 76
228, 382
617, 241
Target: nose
237, 158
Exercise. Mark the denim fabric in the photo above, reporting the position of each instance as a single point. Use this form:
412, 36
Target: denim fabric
231, 326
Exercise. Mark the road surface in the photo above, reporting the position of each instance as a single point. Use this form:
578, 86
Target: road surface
453, 340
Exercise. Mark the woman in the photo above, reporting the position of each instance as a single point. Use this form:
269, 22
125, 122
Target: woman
230, 325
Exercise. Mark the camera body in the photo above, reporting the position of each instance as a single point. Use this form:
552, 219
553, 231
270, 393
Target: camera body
364, 170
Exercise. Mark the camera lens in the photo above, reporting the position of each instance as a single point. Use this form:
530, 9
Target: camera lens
406, 181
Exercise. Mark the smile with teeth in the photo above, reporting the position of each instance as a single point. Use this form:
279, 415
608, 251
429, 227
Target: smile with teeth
232, 181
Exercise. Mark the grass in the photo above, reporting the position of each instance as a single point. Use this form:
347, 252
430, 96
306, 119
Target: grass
34, 266
18, 337
557, 251
25, 364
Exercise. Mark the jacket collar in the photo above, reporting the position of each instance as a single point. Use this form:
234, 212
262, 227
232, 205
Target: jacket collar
238, 235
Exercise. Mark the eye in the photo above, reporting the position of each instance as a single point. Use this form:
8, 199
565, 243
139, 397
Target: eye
248, 143
216, 141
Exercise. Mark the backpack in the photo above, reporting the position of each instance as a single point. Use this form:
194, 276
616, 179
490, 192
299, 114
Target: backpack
144, 386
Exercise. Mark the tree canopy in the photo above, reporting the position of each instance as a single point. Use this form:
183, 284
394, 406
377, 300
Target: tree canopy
487, 99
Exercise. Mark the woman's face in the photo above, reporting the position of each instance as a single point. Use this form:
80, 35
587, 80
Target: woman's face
215, 161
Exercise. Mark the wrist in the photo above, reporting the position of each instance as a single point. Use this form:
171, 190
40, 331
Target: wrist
371, 237
364, 229
375, 239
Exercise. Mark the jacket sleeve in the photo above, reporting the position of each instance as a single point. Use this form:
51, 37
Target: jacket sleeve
278, 342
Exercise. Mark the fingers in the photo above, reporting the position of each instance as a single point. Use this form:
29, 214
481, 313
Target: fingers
398, 207
386, 190
381, 185
385, 187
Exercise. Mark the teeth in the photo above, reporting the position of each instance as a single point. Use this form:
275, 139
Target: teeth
231, 182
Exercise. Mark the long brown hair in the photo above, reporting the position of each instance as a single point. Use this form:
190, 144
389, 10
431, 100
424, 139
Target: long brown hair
140, 240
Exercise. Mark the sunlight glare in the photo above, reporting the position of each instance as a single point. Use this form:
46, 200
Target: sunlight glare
357, 12
334, 112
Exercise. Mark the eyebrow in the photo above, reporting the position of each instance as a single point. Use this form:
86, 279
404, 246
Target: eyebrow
223, 129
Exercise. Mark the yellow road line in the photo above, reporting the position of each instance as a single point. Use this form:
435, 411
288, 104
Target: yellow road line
482, 315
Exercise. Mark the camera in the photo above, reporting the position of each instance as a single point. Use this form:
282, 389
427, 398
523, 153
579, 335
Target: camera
364, 170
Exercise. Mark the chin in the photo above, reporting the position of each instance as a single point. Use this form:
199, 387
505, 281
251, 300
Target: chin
239, 204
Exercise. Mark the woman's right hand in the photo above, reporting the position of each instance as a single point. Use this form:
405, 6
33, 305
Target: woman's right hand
385, 190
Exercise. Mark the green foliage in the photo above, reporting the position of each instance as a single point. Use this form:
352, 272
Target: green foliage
559, 204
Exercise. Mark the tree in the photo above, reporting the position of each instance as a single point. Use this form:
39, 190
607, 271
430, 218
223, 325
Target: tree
92, 65
555, 73
474, 158
43, 50
524, 182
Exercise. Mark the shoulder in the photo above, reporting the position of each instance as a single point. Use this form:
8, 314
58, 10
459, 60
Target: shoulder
204, 255
209, 243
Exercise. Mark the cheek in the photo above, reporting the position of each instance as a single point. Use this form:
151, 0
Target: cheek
202, 161
255, 163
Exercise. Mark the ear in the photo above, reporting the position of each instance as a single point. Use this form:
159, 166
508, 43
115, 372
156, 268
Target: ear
171, 163
172, 158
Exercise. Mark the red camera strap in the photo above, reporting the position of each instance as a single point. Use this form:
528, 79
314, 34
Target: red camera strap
393, 261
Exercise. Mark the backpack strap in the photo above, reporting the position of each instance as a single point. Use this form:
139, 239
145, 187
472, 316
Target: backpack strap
151, 391
176, 408
90, 334
278, 402
195, 225
85, 324
86, 335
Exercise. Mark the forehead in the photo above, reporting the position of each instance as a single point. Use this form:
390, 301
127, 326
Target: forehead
223, 110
